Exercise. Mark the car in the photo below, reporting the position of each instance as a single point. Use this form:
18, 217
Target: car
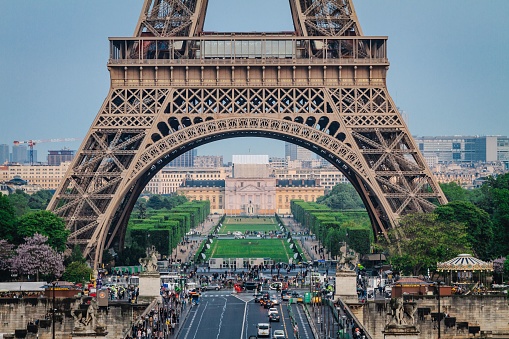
210, 287
257, 297
298, 298
272, 310
267, 303
274, 299
263, 330
274, 316
285, 295
278, 334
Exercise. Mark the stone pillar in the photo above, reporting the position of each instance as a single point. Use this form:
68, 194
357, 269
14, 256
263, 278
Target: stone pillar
346, 286
400, 332
150, 286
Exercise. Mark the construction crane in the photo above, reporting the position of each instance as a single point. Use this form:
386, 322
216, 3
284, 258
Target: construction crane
32, 143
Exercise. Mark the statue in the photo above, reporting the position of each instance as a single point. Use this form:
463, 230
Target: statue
402, 312
149, 263
88, 324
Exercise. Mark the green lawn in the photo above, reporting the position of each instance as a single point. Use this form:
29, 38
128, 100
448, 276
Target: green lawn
276, 249
262, 224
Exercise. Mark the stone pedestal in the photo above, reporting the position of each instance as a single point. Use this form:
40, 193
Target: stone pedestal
400, 332
346, 286
150, 285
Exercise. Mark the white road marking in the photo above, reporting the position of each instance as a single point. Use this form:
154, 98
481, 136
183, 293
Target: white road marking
221, 318
302, 322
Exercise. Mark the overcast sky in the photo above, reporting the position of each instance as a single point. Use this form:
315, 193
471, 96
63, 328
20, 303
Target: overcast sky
449, 63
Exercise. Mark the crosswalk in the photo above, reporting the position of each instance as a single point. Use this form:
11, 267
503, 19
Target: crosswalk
241, 296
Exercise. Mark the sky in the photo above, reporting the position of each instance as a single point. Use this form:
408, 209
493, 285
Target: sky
449, 68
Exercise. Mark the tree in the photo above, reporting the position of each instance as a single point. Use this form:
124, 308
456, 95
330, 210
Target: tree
77, 272
477, 221
40, 200
45, 223
421, 240
19, 201
454, 192
493, 197
7, 219
36, 257
155, 202
342, 197
333, 241
6, 253
142, 210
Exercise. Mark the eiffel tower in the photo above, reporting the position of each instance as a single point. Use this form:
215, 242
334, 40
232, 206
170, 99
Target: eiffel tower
175, 87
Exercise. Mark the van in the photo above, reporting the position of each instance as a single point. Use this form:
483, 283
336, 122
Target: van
263, 330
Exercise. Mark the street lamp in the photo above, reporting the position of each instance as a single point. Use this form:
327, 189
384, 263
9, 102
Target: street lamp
53, 311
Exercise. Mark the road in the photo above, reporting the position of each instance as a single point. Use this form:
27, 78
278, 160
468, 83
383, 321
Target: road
226, 315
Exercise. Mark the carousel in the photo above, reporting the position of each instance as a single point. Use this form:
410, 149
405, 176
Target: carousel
466, 272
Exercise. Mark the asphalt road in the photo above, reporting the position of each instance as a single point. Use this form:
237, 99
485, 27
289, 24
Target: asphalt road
221, 314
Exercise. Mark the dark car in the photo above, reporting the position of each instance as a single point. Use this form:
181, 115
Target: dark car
267, 304
257, 297
274, 317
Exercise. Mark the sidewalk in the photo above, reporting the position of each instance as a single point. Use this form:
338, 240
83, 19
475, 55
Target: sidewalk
307, 243
186, 251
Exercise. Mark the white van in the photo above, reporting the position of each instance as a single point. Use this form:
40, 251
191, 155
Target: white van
263, 330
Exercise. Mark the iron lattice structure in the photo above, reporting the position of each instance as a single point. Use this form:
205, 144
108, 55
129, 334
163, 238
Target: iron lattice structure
175, 87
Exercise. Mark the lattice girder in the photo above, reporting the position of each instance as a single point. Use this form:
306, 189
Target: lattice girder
324, 89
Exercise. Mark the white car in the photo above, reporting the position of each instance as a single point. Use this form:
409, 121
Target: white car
263, 330
278, 334
272, 310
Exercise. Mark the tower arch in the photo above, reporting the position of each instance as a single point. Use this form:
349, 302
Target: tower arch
174, 88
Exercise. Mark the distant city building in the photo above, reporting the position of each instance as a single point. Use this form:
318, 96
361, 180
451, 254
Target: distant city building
464, 149
4, 154
55, 158
168, 179
208, 161
19, 154
184, 160
251, 190
297, 153
34, 154
42, 176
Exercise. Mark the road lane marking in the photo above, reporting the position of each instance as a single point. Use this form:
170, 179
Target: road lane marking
221, 318
244, 321
192, 320
284, 322
302, 322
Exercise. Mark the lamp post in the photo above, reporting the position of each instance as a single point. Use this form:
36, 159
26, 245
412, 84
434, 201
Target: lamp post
53, 311
439, 312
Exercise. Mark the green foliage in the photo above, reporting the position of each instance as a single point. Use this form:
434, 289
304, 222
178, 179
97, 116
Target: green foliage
321, 220
141, 209
77, 272
454, 192
359, 240
477, 221
19, 201
342, 197
45, 223
130, 255
422, 240
7, 219
76, 256
40, 200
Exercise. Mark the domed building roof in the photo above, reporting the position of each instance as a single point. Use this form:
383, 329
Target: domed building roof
465, 262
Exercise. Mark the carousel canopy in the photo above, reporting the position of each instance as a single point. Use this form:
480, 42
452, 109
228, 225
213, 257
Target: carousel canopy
465, 262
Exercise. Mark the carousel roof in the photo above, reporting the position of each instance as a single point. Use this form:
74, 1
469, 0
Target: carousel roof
465, 262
